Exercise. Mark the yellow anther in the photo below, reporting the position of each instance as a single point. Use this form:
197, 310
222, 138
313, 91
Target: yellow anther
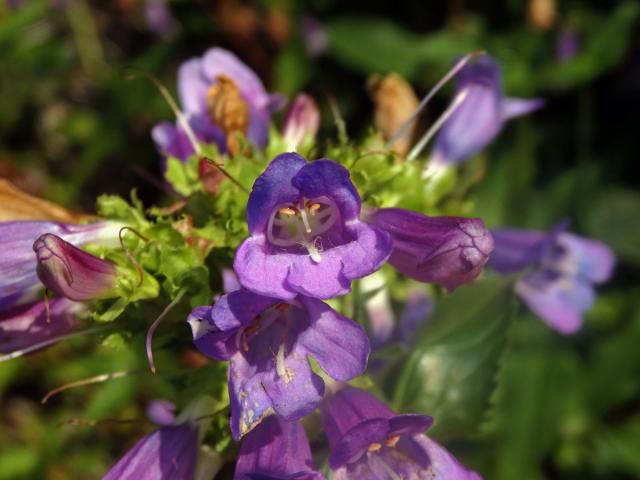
287, 211
392, 441
313, 208
374, 447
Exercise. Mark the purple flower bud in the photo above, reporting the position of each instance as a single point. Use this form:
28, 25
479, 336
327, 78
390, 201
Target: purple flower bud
305, 233
267, 343
368, 440
27, 325
276, 450
563, 269
449, 251
16, 253
210, 111
168, 453
70, 272
302, 122
480, 115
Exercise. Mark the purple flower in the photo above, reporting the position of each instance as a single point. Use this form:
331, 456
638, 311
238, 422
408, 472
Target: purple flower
449, 251
17, 257
26, 325
168, 453
219, 95
314, 36
276, 450
563, 269
267, 343
301, 123
368, 440
70, 272
305, 233
480, 115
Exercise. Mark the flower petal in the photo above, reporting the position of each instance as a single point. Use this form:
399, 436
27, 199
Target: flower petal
593, 260
274, 187
559, 300
327, 178
338, 344
192, 87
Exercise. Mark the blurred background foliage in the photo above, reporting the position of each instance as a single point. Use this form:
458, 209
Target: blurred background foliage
75, 120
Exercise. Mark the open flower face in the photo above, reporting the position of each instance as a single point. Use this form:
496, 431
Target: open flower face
267, 343
368, 440
305, 233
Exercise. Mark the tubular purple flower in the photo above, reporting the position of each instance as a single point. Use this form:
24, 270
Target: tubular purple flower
368, 440
172, 141
305, 233
70, 272
168, 453
26, 325
267, 343
301, 123
449, 251
16, 253
276, 450
563, 269
480, 115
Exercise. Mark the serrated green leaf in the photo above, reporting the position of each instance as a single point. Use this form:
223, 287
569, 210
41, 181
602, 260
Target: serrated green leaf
451, 373
183, 176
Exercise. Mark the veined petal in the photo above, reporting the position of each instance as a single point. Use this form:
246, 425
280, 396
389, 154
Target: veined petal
338, 344
276, 450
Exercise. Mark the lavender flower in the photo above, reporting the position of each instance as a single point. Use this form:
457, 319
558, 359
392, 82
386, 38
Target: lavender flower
17, 257
480, 115
27, 325
70, 272
305, 233
368, 440
301, 123
161, 412
158, 18
168, 453
220, 95
276, 450
563, 269
449, 251
267, 343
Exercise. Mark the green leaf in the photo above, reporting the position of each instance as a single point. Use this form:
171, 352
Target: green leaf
183, 176
451, 373
614, 221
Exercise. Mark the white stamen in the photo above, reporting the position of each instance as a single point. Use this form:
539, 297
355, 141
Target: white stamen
415, 151
305, 220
